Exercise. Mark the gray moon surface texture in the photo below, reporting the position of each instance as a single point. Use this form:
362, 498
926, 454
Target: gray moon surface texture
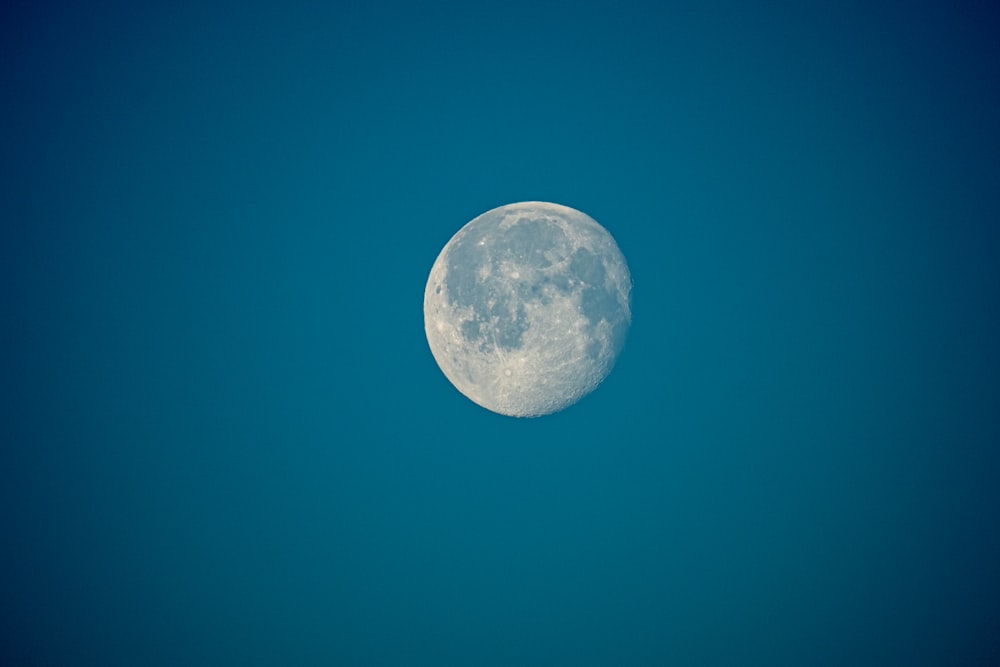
527, 308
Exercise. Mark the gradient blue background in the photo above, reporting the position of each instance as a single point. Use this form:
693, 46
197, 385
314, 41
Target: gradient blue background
224, 438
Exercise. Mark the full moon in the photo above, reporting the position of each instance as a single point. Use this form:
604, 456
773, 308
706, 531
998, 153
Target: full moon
527, 308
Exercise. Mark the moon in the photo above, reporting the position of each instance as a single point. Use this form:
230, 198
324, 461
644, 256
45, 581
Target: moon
527, 308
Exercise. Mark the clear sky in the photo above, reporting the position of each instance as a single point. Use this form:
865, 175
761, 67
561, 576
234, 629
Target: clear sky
224, 440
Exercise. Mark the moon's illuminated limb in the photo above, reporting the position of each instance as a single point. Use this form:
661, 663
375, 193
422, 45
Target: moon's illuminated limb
527, 307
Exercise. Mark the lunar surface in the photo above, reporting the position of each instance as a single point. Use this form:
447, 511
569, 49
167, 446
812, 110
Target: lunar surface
527, 308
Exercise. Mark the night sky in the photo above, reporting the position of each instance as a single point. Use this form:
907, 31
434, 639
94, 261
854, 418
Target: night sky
223, 437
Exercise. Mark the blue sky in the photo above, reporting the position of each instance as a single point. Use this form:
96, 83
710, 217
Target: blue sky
226, 440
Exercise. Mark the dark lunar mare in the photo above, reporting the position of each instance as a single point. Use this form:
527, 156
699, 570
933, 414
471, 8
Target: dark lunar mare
501, 318
599, 299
